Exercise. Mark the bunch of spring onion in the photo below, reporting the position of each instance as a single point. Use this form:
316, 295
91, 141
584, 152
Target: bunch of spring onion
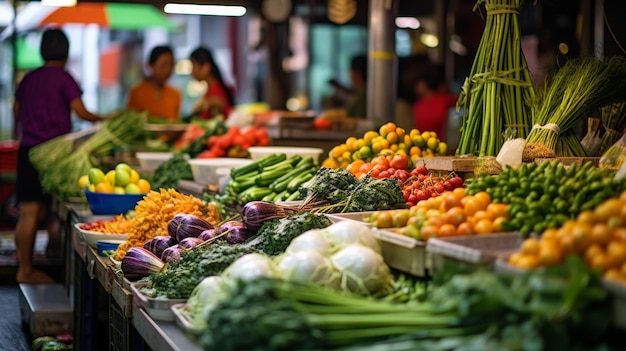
496, 95
266, 314
614, 123
579, 87
61, 164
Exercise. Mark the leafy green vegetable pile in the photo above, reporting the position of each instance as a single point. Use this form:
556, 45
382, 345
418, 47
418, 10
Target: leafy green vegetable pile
341, 192
179, 279
557, 308
274, 236
170, 172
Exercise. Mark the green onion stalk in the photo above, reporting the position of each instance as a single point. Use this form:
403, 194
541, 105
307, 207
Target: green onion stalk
579, 87
496, 95
59, 178
613, 122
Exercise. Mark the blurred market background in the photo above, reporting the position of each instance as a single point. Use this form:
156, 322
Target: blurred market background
283, 53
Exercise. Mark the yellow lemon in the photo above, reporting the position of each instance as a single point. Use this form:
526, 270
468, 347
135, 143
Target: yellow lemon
369, 136
442, 148
134, 176
432, 143
110, 176
83, 181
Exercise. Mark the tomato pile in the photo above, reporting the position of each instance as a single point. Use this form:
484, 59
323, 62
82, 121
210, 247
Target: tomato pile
453, 213
235, 142
417, 184
421, 185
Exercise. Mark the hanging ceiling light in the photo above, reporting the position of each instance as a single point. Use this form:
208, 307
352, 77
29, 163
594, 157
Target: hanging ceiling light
341, 11
207, 10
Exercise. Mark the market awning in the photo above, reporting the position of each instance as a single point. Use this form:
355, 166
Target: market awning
122, 16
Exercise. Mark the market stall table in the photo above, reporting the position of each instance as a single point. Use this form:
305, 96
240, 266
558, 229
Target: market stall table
126, 321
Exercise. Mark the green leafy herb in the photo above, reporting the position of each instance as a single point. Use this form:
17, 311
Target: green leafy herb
179, 279
274, 236
170, 172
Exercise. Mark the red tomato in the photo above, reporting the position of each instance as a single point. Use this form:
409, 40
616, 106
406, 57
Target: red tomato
322, 123
421, 169
400, 162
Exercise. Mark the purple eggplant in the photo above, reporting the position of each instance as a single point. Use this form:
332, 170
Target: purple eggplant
139, 263
159, 243
171, 254
191, 242
234, 232
207, 234
185, 225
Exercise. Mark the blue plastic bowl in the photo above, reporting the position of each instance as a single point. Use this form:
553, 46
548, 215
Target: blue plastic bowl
111, 204
107, 245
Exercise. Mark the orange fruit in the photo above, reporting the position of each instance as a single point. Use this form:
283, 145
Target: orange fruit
484, 226
465, 228
613, 274
616, 250
527, 262
600, 234
549, 253
480, 215
601, 261
592, 251
607, 209
580, 233
429, 231
144, 185
447, 230
619, 234
497, 224
530, 246
456, 216
514, 258
587, 216
483, 198
496, 210
104, 187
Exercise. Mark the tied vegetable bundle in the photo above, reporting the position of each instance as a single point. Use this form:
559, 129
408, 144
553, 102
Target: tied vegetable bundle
579, 87
61, 162
613, 123
496, 95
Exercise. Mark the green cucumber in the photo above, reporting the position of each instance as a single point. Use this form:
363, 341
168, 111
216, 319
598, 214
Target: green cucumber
268, 177
295, 183
281, 183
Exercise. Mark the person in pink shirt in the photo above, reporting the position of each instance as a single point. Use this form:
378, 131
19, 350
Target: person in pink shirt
430, 110
43, 104
218, 98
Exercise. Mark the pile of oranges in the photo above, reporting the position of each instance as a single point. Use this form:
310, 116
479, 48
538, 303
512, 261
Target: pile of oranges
453, 213
598, 236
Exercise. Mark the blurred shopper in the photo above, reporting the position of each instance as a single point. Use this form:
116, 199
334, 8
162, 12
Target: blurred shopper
218, 99
430, 111
356, 95
154, 94
43, 103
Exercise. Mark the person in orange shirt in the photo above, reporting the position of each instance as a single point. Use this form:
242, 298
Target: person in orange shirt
154, 94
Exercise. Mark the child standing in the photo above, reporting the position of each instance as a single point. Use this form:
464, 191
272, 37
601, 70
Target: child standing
43, 103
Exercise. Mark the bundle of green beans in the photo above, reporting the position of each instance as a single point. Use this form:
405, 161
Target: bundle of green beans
496, 95
613, 122
60, 162
579, 87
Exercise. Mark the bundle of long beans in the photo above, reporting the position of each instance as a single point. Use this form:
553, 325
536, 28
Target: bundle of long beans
60, 165
579, 87
496, 95
613, 122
